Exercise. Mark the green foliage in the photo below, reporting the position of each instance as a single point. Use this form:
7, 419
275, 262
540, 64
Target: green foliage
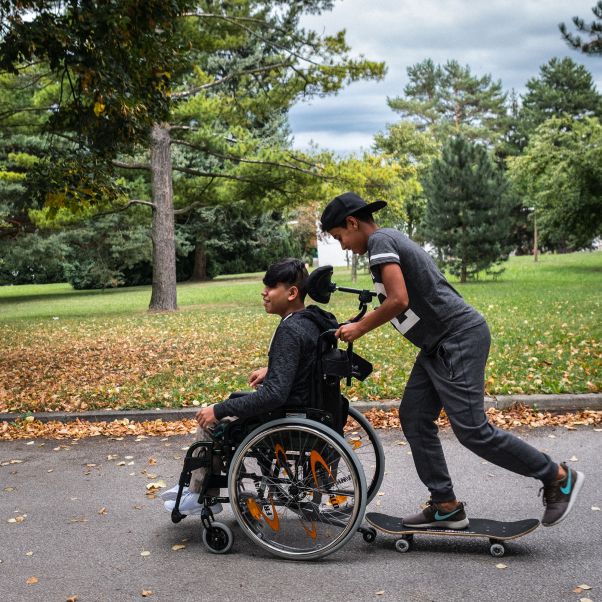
560, 176
113, 61
413, 150
466, 215
563, 87
593, 30
238, 241
33, 259
449, 99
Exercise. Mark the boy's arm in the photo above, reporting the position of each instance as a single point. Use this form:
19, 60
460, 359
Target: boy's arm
284, 360
396, 302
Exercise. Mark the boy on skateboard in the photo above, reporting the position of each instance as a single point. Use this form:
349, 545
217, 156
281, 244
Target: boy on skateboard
449, 371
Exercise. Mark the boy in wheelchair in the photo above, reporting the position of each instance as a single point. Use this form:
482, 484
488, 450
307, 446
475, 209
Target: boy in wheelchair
287, 380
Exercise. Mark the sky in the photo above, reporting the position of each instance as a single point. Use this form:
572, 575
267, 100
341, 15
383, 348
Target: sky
507, 39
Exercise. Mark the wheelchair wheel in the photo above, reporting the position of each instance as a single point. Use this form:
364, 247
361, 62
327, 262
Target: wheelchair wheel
363, 440
296, 489
218, 538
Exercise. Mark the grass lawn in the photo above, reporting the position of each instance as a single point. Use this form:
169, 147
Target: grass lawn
75, 350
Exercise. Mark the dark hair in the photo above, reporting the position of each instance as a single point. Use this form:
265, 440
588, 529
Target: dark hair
363, 215
290, 272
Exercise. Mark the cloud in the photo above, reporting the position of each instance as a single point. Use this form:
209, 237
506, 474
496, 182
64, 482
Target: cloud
507, 39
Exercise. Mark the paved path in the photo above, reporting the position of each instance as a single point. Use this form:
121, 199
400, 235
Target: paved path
74, 548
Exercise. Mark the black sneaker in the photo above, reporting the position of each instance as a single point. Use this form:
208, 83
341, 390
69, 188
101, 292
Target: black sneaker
559, 496
433, 516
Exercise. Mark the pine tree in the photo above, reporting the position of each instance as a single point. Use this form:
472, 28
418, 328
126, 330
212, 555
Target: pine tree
563, 87
467, 209
449, 99
593, 30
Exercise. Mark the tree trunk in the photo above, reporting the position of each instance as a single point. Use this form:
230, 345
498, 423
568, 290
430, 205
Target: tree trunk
164, 294
463, 272
535, 238
199, 271
354, 261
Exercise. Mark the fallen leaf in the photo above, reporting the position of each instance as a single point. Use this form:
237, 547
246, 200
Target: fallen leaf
146, 593
380, 593
595, 508
28, 553
585, 600
145, 553
574, 459
103, 510
178, 546
156, 485
583, 586
501, 566
152, 461
72, 599
32, 581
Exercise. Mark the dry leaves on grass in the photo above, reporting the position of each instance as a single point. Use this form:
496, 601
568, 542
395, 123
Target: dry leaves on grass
80, 429
519, 416
505, 419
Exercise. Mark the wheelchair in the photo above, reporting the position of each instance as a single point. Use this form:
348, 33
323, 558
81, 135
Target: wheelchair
298, 478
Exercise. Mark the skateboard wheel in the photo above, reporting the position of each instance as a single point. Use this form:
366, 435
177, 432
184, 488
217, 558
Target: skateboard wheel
218, 538
369, 535
402, 545
497, 550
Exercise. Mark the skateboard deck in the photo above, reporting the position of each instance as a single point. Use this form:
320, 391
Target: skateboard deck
496, 531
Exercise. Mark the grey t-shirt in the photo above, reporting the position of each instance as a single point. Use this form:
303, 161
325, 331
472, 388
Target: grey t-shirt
436, 308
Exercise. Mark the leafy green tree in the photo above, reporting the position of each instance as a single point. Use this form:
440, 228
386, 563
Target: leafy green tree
592, 30
241, 242
413, 150
563, 87
449, 100
560, 176
466, 215
134, 73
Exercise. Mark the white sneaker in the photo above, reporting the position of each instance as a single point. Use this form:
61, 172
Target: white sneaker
172, 494
189, 505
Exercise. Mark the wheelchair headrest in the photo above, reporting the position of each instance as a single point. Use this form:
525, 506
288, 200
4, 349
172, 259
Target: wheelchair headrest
319, 285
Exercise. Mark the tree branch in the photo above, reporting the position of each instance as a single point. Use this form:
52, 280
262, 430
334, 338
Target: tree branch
124, 165
207, 174
126, 206
223, 80
251, 161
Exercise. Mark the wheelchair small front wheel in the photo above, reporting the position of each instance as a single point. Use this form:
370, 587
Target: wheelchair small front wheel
218, 538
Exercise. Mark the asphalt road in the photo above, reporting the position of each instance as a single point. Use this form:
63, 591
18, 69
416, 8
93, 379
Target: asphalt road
87, 520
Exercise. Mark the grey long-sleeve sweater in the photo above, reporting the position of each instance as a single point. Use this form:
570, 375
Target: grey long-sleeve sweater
291, 359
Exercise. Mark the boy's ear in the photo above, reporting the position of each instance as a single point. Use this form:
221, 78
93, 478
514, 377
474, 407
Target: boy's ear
351, 222
293, 293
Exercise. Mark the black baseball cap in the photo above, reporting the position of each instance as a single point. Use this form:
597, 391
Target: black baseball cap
345, 205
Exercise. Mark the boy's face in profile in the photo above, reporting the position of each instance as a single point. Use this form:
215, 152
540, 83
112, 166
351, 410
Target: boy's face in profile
279, 299
351, 237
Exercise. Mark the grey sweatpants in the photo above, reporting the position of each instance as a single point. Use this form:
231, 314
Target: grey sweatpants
453, 378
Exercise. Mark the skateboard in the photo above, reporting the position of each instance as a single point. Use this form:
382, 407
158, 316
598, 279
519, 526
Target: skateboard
496, 531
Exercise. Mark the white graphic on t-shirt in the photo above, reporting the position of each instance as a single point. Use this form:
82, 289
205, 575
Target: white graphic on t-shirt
410, 318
